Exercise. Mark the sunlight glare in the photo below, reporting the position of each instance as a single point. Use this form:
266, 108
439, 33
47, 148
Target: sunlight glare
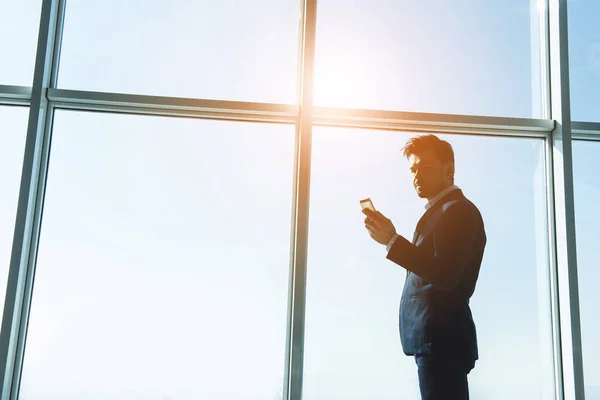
338, 65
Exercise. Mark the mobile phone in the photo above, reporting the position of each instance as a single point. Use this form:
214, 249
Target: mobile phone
367, 203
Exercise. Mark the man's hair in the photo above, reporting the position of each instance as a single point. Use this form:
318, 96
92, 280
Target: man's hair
419, 144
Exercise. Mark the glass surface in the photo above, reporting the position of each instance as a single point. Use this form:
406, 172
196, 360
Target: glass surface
460, 57
586, 164
19, 27
233, 50
584, 59
353, 348
13, 132
163, 262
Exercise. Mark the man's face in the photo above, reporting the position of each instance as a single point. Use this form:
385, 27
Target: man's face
429, 175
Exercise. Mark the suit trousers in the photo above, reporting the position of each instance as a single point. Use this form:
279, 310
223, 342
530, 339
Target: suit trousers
442, 378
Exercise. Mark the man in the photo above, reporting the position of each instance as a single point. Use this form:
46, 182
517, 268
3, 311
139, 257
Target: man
442, 263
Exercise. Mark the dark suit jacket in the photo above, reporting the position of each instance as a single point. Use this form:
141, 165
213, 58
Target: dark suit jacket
443, 264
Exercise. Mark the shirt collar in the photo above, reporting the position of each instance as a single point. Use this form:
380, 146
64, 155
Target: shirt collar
441, 194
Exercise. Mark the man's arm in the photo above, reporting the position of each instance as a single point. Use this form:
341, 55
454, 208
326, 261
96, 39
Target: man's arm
453, 239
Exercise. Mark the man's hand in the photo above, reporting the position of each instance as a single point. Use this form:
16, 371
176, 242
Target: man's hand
380, 228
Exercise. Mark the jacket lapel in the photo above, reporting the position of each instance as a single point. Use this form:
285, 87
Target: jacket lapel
415, 237
423, 229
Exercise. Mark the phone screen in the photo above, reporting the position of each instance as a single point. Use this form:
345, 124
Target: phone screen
367, 203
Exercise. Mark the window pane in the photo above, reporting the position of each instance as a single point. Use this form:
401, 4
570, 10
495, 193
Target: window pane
19, 27
353, 348
462, 57
13, 131
584, 59
163, 262
586, 165
234, 50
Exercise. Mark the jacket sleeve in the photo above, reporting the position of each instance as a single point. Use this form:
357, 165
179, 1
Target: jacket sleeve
453, 239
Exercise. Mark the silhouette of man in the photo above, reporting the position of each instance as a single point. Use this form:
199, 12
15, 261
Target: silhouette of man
442, 264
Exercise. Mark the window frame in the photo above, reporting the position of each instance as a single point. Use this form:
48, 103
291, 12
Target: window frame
557, 129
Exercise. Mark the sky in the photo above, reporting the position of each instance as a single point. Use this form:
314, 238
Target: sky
163, 263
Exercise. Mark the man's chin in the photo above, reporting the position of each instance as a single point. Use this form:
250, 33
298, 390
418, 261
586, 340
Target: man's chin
421, 193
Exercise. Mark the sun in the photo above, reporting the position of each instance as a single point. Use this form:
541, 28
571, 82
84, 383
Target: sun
340, 74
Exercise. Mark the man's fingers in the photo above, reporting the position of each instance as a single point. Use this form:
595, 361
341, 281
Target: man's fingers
380, 216
375, 216
376, 224
370, 223
372, 233
368, 212
377, 221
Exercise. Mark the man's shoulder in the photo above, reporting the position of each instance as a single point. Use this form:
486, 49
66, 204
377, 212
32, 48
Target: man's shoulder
458, 203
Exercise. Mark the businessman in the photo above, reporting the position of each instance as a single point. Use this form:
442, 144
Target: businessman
442, 264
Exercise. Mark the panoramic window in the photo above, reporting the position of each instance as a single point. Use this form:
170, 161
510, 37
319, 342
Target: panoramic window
163, 261
13, 130
19, 26
352, 343
232, 50
584, 59
586, 183
163, 265
458, 57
